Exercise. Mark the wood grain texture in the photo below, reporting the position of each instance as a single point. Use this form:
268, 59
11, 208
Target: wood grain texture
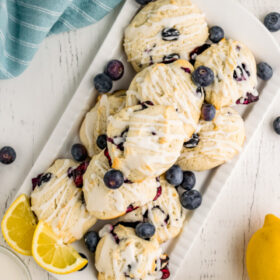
31, 105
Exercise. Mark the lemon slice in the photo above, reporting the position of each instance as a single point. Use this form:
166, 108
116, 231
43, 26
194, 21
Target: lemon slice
18, 225
52, 254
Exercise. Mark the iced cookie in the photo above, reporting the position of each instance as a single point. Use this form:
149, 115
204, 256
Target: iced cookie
106, 203
122, 255
218, 141
163, 31
95, 122
58, 201
145, 140
234, 67
169, 84
165, 213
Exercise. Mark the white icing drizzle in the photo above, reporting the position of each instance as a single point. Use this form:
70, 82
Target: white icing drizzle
63, 204
144, 33
133, 256
223, 59
146, 153
168, 85
219, 140
101, 199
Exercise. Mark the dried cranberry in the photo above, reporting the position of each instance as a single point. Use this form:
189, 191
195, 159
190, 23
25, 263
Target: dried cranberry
165, 273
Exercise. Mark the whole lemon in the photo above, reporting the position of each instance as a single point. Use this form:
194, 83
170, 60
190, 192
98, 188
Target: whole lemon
263, 251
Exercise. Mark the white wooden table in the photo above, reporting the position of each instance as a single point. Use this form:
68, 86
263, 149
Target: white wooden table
31, 105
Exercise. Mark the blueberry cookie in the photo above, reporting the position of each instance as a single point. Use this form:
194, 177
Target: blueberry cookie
145, 140
165, 213
163, 31
235, 77
122, 255
106, 203
57, 200
169, 84
217, 141
95, 122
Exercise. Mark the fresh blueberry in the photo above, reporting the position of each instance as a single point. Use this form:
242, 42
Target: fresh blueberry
216, 34
174, 175
102, 141
193, 142
170, 58
170, 34
113, 179
114, 69
91, 239
79, 152
208, 112
276, 125
143, 2
191, 199
84, 257
265, 72
7, 155
272, 22
145, 230
203, 76
103, 83
188, 180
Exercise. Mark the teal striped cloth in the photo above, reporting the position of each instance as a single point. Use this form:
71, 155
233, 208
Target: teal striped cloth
25, 23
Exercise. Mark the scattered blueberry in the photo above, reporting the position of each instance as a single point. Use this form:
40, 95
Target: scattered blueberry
188, 180
198, 51
143, 2
113, 179
114, 69
247, 99
216, 34
276, 125
174, 175
102, 141
265, 72
77, 174
7, 155
272, 22
203, 76
208, 112
41, 179
79, 152
91, 239
193, 142
85, 257
103, 83
170, 34
170, 58
145, 230
191, 199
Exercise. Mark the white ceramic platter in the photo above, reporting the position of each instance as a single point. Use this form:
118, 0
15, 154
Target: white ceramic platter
238, 24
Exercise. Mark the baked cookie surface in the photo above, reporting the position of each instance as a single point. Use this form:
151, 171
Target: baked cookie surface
165, 213
144, 141
164, 31
57, 201
122, 255
219, 141
234, 67
169, 84
105, 203
95, 121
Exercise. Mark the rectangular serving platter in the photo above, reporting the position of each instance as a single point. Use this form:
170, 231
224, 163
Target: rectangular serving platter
242, 26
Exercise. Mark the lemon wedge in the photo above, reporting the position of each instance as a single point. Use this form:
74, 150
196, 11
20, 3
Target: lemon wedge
52, 254
18, 225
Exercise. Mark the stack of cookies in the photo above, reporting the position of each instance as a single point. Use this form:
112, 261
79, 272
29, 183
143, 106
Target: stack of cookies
145, 141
